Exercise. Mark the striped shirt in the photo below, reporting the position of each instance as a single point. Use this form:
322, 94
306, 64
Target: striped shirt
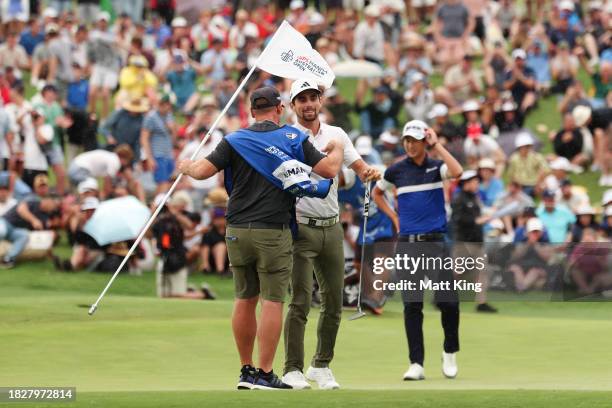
420, 195
160, 139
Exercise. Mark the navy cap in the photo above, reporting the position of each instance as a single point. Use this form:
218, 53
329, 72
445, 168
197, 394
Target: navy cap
266, 97
548, 194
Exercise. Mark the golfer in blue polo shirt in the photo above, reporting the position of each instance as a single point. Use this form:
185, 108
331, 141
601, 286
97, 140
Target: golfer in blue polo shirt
421, 218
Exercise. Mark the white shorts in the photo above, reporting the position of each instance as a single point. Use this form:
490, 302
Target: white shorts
422, 3
102, 77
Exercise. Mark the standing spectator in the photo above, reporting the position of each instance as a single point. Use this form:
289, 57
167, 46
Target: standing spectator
77, 100
369, 38
104, 59
12, 54
61, 49
123, 126
527, 166
216, 62
136, 81
520, 80
452, 28
200, 34
557, 219
182, 80
413, 60
44, 64
88, 10
156, 139
32, 36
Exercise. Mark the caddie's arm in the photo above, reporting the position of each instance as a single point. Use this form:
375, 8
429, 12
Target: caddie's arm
199, 169
330, 165
454, 168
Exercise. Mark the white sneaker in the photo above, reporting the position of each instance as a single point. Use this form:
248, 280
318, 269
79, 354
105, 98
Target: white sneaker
297, 380
323, 377
449, 365
415, 372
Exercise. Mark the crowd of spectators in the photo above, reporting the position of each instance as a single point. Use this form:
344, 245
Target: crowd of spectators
99, 104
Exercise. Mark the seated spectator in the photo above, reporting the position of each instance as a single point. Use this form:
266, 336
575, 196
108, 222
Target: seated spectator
389, 144
491, 187
560, 167
568, 143
564, 68
26, 216
12, 54
419, 98
538, 61
520, 81
7, 201
589, 264
478, 146
472, 120
597, 122
528, 261
557, 219
585, 219
495, 63
213, 248
573, 197
527, 166
461, 83
509, 119
381, 113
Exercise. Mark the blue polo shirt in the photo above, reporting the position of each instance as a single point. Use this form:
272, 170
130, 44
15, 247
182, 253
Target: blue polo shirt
420, 195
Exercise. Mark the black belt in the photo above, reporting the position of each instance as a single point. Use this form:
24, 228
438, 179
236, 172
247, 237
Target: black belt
429, 237
260, 225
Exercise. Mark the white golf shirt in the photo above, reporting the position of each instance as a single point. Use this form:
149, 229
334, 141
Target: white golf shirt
327, 207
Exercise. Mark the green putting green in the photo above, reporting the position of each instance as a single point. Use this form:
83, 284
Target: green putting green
138, 350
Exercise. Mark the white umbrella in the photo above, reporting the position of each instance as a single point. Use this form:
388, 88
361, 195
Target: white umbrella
358, 69
116, 220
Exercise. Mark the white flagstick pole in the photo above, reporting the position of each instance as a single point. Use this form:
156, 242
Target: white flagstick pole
94, 307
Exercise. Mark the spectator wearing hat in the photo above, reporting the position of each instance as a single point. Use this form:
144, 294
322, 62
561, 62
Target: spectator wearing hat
156, 136
216, 62
381, 113
539, 62
365, 147
452, 27
123, 126
413, 59
491, 187
605, 227
369, 37
509, 118
389, 144
241, 29
445, 128
461, 83
528, 261
585, 218
182, 76
468, 234
526, 166
473, 124
560, 167
159, 30
419, 99
520, 81
594, 125
477, 146
104, 57
557, 219
136, 81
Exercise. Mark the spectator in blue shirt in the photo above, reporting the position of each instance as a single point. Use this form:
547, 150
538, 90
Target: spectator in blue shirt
557, 219
32, 36
491, 187
539, 62
78, 90
159, 30
182, 79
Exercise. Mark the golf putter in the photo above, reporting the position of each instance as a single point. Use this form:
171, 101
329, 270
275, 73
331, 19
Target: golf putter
366, 209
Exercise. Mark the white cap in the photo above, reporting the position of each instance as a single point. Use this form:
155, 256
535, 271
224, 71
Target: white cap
296, 4
104, 15
496, 224
158, 199
49, 12
438, 110
415, 129
508, 106
519, 53
300, 86
363, 145
595, 5
331, 92
566, 5
470, 105
486, 163
468, 175
417, 76
178, 22
523, 139
90, 203
534, 224
387, 137
561, 163
585, 209
581, 115
608, 212
607, 197
89, 184
372, 11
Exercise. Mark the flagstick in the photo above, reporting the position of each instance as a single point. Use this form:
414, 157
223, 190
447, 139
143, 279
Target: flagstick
94, 307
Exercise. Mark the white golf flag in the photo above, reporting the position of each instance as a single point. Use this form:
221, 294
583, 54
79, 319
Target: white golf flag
290, 55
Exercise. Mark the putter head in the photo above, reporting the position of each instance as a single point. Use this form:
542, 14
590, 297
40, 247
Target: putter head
357, 315
92, 309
